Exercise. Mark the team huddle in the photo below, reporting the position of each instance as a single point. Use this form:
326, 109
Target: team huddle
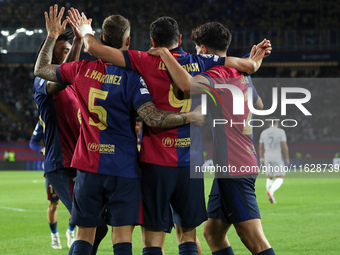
88, 112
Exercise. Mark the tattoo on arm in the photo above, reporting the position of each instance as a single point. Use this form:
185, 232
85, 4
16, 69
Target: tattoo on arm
154, 117
43, 67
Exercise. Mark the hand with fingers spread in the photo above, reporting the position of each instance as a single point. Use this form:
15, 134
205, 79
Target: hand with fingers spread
75, 20
54, 26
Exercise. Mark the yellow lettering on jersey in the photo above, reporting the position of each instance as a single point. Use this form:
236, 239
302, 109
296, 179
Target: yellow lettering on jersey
192, 67
93, 74
109, 78
161, 66
116, 80
99, 76
103, 78
87, 73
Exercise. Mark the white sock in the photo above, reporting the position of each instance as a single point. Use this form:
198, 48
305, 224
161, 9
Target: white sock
269, 183
276, 184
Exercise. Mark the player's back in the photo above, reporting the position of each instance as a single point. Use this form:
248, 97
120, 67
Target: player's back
58, 116
232, 141
109, 97
272, 138
180, 146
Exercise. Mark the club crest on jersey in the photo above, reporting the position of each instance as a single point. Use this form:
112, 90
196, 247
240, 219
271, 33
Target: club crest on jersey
168, 142
93, 147
144, 91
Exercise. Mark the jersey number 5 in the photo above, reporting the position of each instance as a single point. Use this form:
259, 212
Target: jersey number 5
99, 110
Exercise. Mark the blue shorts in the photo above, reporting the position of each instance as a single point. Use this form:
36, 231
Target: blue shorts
237, 200
170, 196
103, 199
63, 181
51, 195
214, 203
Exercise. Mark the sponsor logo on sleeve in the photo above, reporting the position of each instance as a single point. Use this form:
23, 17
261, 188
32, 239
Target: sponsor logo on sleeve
144, 91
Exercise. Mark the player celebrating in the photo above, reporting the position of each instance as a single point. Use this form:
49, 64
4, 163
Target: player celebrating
166, 153
108, 179
232, 144
58, 112
53, 199
272, 149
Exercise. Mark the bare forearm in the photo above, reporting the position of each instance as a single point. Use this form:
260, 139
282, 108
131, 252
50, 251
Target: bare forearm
104, 52
154, 117
74, 53
43, 67
178, 74
245, 65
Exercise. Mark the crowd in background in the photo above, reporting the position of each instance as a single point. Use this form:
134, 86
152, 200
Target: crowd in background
252, 14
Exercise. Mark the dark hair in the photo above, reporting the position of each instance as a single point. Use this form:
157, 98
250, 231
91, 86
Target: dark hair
114, 28
66, 36
164, 31
213, 35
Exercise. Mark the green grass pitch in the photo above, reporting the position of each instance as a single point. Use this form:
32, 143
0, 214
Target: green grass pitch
306, 219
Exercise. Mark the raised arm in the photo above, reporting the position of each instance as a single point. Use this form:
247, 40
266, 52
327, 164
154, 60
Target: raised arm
78, 39
154, 117
74, 53
96, 48
43, 67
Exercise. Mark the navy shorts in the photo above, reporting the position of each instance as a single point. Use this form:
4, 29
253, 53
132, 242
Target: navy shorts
51, 195
214, 203
170, 196
63, 181
103, 199
238, 199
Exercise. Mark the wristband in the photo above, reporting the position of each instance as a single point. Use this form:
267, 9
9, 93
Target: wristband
86, 29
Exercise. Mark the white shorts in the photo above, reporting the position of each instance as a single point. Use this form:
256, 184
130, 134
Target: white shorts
274, 168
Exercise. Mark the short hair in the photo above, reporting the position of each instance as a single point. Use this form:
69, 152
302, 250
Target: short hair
213, 35
164, 31
66, 36
114, 30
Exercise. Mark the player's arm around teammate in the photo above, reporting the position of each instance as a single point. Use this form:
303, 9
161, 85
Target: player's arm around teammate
116, 57
183, 78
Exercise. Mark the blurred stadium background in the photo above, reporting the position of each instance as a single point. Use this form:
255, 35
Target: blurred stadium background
305, 36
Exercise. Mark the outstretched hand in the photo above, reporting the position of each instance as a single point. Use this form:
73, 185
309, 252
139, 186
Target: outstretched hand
54, 26
76, 21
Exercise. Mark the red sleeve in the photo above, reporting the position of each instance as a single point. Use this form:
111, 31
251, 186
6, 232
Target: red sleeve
66, 72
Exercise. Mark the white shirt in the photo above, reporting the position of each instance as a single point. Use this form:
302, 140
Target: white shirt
271, 139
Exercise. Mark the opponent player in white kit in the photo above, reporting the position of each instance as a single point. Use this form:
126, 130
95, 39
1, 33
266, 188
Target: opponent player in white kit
274, 154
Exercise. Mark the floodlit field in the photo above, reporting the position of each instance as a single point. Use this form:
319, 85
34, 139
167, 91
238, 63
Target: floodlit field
306, 219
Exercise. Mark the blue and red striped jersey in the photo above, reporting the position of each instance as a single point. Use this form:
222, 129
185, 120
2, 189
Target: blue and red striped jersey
180, 146
109, 97
58, 116
232, 141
